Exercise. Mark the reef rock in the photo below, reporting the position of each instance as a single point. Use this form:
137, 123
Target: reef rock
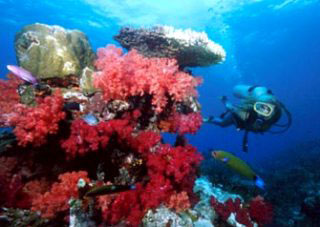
163, 217
189, 48
52, 51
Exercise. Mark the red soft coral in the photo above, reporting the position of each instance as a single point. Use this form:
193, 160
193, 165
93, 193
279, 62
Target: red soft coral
85, 138
56, 200
260, 211
124, 75
11, 184
125, 206
243, 217
9, 97
169, 169
178, 162
33, 124
145, 140
225, 209
132, 205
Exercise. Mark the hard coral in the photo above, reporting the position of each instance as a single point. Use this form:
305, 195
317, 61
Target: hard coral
124, 75
56, 200
34, 124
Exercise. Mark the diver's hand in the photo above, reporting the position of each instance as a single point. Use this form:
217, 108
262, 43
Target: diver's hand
207, 119
223, 98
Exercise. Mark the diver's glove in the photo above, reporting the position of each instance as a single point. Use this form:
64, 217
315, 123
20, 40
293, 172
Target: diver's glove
223, 98
208, 119
228, 105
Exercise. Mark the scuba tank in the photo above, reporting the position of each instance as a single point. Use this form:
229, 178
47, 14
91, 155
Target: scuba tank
253, 93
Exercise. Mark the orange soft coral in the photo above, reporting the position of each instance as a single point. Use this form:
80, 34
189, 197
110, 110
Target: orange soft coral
33, 124
56, 200
179, 201
124, 75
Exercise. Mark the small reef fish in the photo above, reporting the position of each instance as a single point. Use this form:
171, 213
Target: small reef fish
238, 166
90, 119
22, 74
109, 189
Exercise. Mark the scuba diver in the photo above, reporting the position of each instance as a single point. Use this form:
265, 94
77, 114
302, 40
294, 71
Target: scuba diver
257, 112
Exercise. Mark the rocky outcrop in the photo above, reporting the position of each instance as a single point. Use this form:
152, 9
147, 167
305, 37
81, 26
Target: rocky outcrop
188, 47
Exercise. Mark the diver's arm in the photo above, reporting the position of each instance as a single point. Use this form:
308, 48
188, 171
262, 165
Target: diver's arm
228, 105
208, 119
224, 121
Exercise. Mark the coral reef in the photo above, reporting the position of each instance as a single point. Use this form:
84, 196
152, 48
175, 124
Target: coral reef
56, 143
189, 48
88, 151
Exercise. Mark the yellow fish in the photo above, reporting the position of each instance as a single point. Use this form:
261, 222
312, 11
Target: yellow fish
238, 166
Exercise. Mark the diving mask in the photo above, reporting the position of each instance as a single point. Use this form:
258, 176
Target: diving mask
264, 109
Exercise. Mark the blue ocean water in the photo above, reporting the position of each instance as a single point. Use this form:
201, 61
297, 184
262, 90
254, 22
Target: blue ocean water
273, 43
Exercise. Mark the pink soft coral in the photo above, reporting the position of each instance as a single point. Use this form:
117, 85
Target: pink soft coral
56, 200
34, 124
124, 75
186, 123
